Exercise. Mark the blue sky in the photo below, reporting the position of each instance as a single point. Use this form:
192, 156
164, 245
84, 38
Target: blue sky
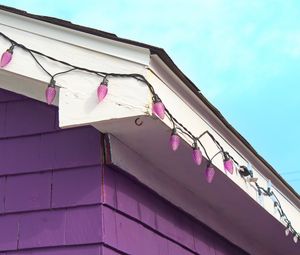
244, 55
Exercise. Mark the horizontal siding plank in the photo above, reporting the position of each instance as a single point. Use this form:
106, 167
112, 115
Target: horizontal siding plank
9, 232
78, 250
76, 187
122, 193
129, 235
19, 155
109, 227
51, 228
71, 147
7, 96
108, 251
2, 119
28, 192
174, 248
40, 229
29, 117
127, 196
2, 194
109, 187
83, 225
204, 243
64, 149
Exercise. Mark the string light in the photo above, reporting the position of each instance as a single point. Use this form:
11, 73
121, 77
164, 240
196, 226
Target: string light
244, 171
102, 89
197, 154
209, 173
174, 140
50, 92
6, 57
159, 109
295, 238
228, 163
287, 230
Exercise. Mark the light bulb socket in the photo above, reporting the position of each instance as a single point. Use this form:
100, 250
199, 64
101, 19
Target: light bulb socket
295, 238
226, 156
11, 49
244, 171
156, 99
52, 83
174, 131
195, 146
104, 81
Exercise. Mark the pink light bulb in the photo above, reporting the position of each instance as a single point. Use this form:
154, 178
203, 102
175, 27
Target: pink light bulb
209, 173
174, 140
228, 163
197, 155
102, 90
6, 57
50, 92
295, 238
287, 231
158, 107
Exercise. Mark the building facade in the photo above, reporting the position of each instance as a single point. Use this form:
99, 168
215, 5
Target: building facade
83, 177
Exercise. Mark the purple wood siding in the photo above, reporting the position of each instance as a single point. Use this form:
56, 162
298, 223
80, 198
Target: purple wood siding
57, 199
138, 221
50, 182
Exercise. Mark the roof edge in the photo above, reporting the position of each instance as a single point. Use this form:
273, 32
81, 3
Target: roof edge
169, 62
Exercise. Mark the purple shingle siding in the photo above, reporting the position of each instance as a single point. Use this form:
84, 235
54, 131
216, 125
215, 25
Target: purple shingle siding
135, 215
43, 118
40, 229
9, 231
74, 187
33, 192
50, 181
83, 225
78, 250
2, 193
56, 197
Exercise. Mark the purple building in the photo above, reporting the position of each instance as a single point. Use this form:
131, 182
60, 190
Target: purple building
88, 178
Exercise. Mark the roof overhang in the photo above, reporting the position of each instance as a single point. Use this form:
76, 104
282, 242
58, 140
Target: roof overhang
141, 138
139, 49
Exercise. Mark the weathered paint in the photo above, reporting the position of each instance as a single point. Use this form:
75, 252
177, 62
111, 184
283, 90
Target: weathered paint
57, 198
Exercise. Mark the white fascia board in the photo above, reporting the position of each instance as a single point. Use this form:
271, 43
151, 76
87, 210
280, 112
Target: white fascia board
196, 116
95, 43
77, 97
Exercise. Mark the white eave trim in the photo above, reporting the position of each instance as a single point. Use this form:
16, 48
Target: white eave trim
114, 48
169, 78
